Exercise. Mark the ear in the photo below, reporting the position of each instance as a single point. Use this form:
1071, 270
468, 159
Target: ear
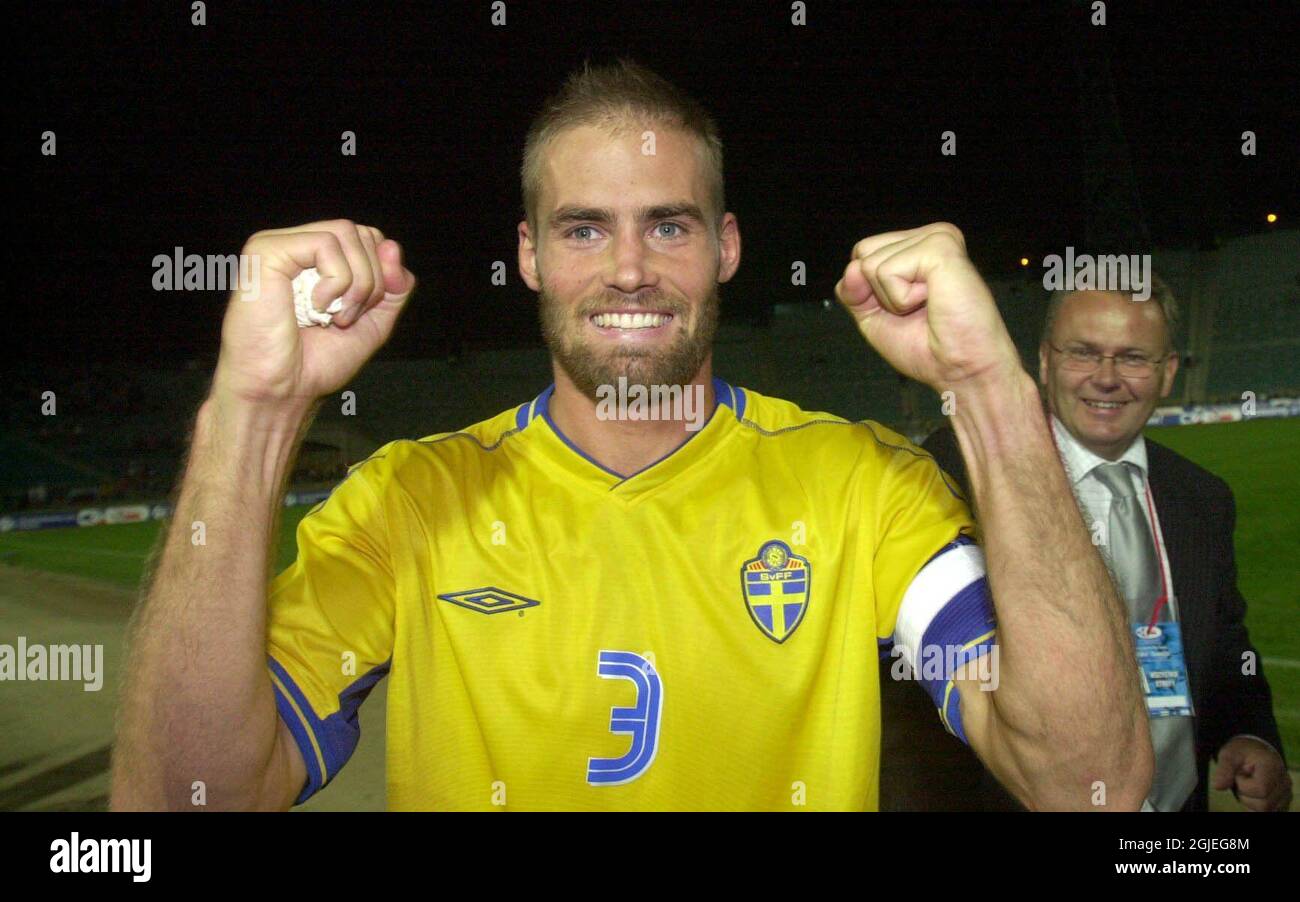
1042, 365
1171, 370
728, 248
528, 257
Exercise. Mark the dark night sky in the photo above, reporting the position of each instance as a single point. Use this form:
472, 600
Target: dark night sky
170, 134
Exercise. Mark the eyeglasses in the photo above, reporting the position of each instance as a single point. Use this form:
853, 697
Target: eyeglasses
1080, 359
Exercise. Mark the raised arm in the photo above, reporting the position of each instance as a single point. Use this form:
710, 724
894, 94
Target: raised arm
1066, 727
198, 705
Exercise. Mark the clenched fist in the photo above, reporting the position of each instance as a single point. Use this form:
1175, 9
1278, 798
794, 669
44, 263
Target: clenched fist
1255, 773
266, 359
919, 301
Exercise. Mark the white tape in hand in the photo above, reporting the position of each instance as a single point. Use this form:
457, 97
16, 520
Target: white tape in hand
307, 315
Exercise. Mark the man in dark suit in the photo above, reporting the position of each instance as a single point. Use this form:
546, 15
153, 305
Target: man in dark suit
1165, 526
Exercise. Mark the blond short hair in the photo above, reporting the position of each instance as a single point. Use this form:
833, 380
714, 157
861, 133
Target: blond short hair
619, 97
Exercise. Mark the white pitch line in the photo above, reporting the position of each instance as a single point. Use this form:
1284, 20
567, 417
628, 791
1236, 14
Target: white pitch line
1288, 663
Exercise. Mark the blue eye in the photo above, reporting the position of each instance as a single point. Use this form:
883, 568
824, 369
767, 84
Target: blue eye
575, 232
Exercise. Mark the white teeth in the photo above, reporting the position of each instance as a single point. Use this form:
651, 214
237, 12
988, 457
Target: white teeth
629, 320
1104, 405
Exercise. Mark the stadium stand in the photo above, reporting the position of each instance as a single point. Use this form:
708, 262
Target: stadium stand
128, 434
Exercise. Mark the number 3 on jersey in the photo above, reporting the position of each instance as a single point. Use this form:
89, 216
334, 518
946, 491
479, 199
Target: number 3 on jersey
641, 721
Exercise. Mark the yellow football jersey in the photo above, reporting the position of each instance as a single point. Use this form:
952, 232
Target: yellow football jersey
703, 634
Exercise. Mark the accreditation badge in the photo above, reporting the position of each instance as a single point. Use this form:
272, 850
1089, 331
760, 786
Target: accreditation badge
1164, 673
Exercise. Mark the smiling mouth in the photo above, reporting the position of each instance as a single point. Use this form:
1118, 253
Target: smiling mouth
1103, 405
629, 322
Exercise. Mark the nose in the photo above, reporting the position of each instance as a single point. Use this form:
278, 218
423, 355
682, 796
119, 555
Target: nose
1106, 376
629, 271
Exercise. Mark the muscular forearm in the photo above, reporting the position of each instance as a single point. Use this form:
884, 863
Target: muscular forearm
1068, 710
197, 702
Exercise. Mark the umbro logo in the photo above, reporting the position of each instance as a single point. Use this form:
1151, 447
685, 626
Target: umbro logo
490, 600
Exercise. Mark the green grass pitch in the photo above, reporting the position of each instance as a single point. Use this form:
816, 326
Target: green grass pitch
1258, 459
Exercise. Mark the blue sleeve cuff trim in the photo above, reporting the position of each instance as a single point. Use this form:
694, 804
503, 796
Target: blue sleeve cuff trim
326, 744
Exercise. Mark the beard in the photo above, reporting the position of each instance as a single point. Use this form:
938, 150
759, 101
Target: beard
589, 367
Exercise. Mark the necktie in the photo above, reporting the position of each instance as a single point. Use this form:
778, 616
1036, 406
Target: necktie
1129, 545
1131, 551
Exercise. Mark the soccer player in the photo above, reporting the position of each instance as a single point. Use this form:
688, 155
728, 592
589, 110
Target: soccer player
579, 610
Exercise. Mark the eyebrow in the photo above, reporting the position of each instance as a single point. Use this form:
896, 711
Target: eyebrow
571, 213
1128, 350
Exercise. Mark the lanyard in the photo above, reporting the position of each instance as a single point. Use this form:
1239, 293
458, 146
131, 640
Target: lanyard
1160, 556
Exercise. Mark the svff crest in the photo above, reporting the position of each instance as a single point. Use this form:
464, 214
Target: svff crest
776, 585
